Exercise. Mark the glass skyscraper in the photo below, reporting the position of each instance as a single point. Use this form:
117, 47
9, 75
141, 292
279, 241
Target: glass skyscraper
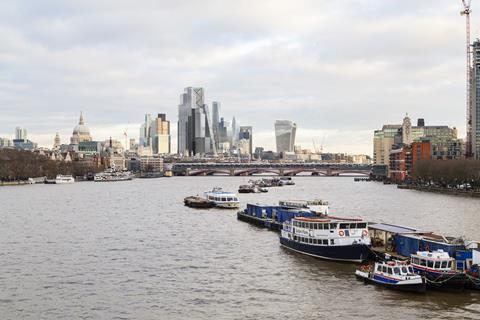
285, 131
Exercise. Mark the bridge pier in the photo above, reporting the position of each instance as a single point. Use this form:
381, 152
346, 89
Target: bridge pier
232, 171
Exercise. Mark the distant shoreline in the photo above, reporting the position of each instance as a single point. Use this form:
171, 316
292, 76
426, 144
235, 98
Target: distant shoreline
454, 192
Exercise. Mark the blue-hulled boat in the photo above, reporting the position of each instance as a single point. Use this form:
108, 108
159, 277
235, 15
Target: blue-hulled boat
332, 238
397, 275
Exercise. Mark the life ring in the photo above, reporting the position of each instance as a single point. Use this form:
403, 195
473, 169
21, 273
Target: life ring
365, 232
341, 233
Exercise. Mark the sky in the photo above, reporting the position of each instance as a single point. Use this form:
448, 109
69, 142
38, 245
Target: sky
339, 69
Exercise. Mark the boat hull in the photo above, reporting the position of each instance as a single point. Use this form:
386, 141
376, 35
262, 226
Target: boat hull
443, 282
350, 253
411, 287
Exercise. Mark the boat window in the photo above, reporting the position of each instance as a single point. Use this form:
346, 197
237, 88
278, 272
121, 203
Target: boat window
310, 240
327, 226
325, 242
384, 269
423, 262
224, 199
332, 226
414, 260
449, 264
332, 241
444, 264
343, 226
437, 264
229, 199
353, 225
295, 238
389, 270
396, 270
235, 199
404, 270
362, 225
430, 263
379, 268
410, 269
320, 226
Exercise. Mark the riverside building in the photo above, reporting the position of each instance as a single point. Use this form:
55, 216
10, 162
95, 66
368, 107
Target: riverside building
475, 111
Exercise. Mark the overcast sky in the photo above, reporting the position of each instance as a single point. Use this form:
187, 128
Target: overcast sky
340, 69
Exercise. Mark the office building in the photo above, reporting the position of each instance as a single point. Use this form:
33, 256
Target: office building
195, 129
285, 131
161, 136
20, 133
245, 139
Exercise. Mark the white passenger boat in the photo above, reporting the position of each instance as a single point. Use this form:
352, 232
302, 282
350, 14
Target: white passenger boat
396, 275
222, 199
332, 238
111, 175
64, 179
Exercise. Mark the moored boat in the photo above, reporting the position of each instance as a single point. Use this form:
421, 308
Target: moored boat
64, 179
438, 269
223, 199
198, 202
332, 238
111, 175
397, 275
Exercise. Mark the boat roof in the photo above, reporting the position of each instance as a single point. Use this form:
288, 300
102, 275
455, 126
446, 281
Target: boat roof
393, 228
328, 219
438, 254
221, 192
302, 202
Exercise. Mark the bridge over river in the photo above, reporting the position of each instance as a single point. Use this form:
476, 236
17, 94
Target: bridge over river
281, 169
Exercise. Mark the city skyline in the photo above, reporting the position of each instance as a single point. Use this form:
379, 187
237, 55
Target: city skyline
266, 69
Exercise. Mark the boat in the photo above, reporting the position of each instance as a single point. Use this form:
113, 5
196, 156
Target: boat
222, 199
64, 179
111, 175
397, 275
331, 238
287, 181
273, 216
198, 202
248, 188
438, 269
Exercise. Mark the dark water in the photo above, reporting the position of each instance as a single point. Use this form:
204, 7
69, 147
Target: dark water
131, 250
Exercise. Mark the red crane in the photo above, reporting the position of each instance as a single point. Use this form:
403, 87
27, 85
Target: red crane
466, 12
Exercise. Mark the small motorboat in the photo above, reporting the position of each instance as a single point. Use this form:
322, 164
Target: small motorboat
394, 274
198, 202
247, 188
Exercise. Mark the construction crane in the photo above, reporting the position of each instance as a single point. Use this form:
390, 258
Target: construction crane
466, 12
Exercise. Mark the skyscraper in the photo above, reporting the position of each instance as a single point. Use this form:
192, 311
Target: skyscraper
20, 133
245, 138
161, 135
216, 122
195, 128
474, 136
285, 131
146, 133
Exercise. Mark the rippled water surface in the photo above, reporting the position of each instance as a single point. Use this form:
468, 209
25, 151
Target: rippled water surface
131, 250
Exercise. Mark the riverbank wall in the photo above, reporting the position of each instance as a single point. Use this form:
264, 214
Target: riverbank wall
453, 192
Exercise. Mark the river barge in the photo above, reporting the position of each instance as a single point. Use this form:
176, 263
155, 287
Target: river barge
397, 275
198, 202
331, 238
273, 216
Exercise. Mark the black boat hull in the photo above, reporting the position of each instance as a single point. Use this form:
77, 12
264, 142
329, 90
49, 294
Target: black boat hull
350, 253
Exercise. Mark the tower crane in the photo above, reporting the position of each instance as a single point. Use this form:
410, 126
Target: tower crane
466, 12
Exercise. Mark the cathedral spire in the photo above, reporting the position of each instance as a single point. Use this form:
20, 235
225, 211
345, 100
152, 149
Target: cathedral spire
81, 122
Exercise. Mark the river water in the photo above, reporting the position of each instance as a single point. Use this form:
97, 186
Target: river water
131, 250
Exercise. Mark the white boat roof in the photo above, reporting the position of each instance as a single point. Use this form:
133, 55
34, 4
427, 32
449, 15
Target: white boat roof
439, 254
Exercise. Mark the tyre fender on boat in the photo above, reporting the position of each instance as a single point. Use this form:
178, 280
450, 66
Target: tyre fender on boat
341, 233
364, 233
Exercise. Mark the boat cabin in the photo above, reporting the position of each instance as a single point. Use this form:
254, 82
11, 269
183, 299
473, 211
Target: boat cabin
436, 260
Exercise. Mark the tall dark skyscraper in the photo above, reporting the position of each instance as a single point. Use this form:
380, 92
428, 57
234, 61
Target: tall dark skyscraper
195, 129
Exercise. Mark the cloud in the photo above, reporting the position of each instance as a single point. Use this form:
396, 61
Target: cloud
340, 67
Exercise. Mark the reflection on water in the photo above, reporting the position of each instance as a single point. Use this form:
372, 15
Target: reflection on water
131, 250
